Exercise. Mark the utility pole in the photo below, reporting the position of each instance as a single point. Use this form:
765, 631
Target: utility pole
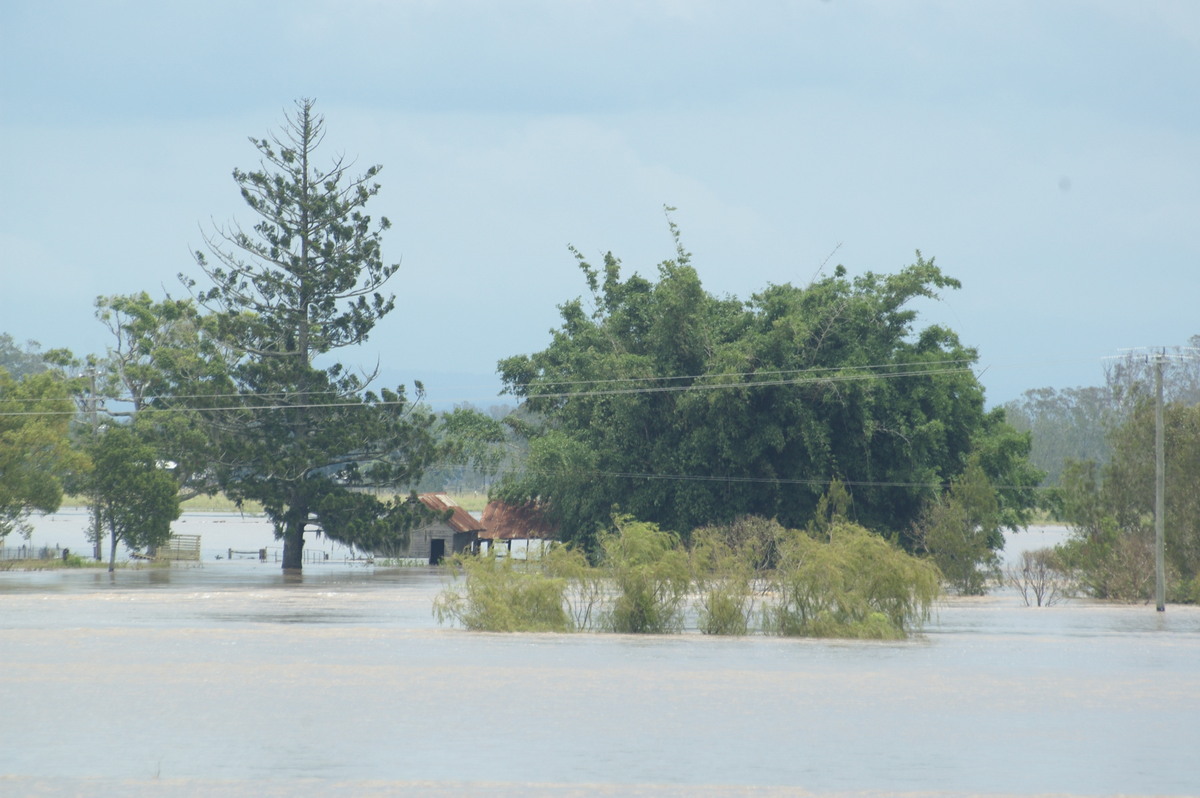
94, 419
1160, 487
1159, 359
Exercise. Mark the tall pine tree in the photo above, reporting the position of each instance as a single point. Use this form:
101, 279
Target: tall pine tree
301, 438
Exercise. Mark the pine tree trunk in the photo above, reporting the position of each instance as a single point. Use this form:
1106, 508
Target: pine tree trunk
293, 540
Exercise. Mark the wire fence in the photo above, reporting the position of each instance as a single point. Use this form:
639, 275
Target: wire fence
28, 552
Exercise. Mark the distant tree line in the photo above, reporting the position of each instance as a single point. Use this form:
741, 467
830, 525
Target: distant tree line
1097, 446
1074, 424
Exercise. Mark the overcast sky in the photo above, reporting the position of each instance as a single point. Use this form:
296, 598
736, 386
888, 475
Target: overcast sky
1047, 154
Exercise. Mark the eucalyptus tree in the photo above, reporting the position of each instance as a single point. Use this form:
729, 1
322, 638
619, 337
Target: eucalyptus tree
302, 433
1065, 424
20, 359
163, 367
136, 496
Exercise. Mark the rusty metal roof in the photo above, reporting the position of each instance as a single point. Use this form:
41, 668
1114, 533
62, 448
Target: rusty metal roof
460, 520
516, 522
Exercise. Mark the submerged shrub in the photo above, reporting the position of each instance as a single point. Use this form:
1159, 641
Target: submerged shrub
650, 578
495, 597
723, 576
855, 585
849, 583
1111, 562
584, 586
1039, 578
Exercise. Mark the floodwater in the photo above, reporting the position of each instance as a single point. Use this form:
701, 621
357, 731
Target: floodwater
233, 679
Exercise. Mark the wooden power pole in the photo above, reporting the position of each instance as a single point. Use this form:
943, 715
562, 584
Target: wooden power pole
1160, 358
1160, 490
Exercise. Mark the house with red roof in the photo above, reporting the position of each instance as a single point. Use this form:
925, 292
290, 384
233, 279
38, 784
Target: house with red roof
455, 531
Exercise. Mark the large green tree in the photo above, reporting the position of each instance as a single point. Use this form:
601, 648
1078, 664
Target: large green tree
682, 408
35, 450
960, 529
302, 434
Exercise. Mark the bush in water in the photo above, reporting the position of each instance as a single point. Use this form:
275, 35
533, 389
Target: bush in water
856, 585
850, 583
496, 597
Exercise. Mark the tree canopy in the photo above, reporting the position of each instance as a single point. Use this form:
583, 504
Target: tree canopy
1075, 424
1111, 508
683, 409
35, 450
165, 364
299, 436
20, 359
136, 497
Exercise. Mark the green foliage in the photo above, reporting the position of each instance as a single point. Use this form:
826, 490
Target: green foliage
35, 451
472, 438
165, 360
685, 409
474, 446
723, 577
832, 507
961, 530
136, 499
1114, 564
585, 587
849, 583
1068, 424
640, 587
20, 360
1003, 455
1111, 507
1075, 424
497, 597
565, 468
306, 280
651, 577
753, 537
855, 585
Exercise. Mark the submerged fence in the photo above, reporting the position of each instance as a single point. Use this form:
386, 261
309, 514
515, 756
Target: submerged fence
28, 552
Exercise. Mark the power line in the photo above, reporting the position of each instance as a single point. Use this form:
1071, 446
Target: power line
758, 480
753, 384
829, 378
711, 375
608, 381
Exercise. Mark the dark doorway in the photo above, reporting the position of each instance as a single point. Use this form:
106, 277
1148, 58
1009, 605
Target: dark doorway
437, 550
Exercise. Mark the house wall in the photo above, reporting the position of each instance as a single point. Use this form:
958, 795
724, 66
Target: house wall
420, 541
517, 548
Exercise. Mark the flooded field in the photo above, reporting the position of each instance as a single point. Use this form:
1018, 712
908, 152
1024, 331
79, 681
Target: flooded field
232, 679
